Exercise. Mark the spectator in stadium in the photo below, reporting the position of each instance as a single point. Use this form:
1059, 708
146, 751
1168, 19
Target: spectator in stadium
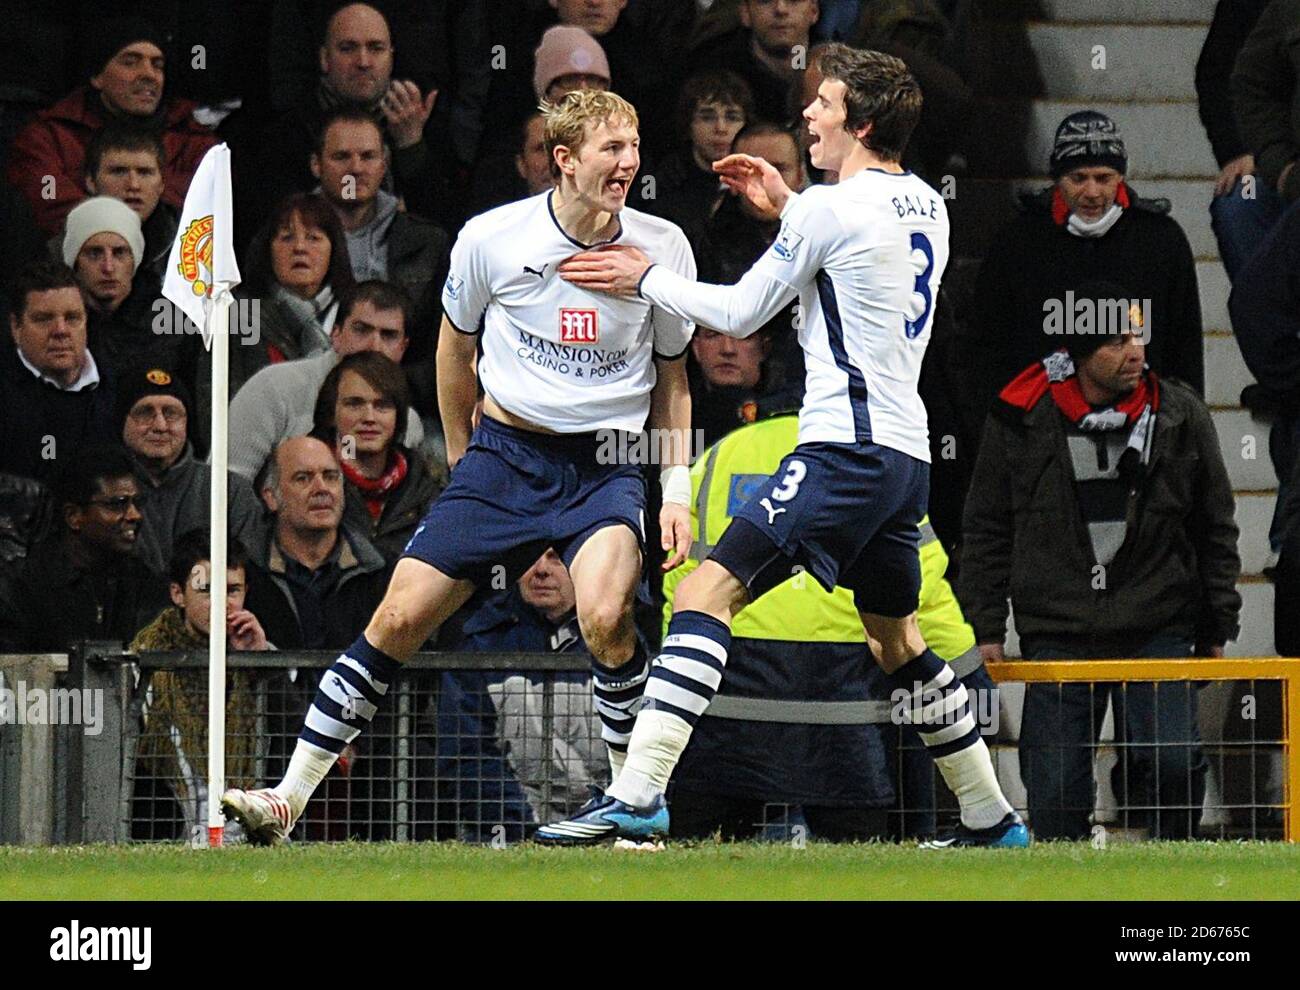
489, 724
769, 51
125, 311
770, 749
46, 160
280, 401
174, 745
1089, 224
1266, 96
356, 72
568, 58
712, 109
361, 412
726, 374
312, 580
297, 275
383, 241
1242, 209
532, 164
127, 163
26, 514
1265, 310
1101, 508
83, 581
153, 412
54, 397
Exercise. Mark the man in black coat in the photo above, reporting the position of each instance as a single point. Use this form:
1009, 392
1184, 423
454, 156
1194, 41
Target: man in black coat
1090, 224
54, 397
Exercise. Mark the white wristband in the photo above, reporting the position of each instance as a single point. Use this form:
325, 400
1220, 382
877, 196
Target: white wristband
676, 484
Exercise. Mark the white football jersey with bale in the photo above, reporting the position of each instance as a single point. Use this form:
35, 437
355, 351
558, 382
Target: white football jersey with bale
561, 357
865, 258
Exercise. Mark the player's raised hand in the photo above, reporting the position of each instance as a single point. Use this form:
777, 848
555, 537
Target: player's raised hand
675, 527
616, 269
755, 179
406, 112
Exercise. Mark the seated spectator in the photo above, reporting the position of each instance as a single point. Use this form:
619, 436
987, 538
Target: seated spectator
102, 243
297, 274
1101, 508
1090, 224
154, 411
83, 581
769, 52
175, 739
53, 398
568, 58
126, 84
313, 581
384, 242
356, 72
730, 374
127, 163
532, 163
361, 411
712, 109
279, 401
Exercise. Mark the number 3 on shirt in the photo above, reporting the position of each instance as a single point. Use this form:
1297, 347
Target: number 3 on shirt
921, 287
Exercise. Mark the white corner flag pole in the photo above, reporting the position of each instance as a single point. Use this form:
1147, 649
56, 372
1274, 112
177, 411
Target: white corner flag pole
200, 277
220, 340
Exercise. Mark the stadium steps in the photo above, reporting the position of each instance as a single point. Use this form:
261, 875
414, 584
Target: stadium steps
1032, 65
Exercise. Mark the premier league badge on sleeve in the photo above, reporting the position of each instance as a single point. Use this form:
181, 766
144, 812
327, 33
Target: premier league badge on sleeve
787, 243
454, 284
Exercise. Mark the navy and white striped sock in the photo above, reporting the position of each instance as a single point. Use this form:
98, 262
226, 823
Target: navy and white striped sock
347, 699
925, 693
616, 692
686, 674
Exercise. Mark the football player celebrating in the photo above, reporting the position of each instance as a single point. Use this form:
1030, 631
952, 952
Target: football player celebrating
569, 378
864, 257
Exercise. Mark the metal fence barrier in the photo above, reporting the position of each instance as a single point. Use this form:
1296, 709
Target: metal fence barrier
481, 747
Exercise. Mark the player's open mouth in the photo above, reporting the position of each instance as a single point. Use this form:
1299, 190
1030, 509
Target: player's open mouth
617, 186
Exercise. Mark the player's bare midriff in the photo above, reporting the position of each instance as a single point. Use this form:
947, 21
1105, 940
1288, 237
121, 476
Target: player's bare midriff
493, 409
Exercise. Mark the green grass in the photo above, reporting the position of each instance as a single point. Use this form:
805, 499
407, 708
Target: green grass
1235, 871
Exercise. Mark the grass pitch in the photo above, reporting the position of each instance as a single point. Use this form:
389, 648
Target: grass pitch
1201, 871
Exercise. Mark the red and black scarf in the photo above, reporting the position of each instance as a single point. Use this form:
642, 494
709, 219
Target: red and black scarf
1061, 209
376, 490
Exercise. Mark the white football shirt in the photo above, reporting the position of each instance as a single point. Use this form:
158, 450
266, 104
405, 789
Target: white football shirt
865, 258
564, 358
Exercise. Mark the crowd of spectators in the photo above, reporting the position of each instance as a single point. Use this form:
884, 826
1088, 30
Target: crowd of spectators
363, 135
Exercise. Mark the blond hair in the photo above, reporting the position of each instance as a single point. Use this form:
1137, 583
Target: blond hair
567, 118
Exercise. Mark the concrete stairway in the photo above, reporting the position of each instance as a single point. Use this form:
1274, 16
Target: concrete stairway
1045, 51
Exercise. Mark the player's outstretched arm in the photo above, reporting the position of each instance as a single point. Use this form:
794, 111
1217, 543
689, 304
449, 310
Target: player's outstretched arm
457, 387
670, 422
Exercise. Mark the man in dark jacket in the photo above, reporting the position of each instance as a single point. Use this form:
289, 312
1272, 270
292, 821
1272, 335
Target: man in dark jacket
83, 581
1102, 508
1266, 96
1089, 225
127, 84
54, 397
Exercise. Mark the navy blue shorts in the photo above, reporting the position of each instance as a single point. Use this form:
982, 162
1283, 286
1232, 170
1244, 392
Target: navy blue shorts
848, 513
516, 492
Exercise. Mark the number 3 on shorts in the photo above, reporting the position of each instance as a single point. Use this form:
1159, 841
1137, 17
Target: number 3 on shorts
794, 474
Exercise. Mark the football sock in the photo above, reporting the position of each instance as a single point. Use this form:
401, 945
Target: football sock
935, 701
616, 692
347, 699
683, 679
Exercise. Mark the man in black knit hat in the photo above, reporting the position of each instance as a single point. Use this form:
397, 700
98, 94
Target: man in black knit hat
1090, 224
1101, 509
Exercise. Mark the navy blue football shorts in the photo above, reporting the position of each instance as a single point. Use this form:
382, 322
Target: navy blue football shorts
517, 492
847, 513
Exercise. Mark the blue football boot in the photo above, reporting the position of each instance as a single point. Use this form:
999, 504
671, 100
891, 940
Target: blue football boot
1010, 833
604, 817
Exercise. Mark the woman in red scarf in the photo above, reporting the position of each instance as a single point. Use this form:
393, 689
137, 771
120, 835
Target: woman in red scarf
360, 410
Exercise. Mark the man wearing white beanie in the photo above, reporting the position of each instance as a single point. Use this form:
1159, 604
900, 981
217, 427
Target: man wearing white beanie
129, 323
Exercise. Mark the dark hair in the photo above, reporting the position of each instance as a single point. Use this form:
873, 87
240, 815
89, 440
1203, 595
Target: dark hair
39, 276
193, 546
315, 212
121, 136
381, 295
82, 472
714, 86
380, 373
521, 142
348, 115
879, 90
766, 128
